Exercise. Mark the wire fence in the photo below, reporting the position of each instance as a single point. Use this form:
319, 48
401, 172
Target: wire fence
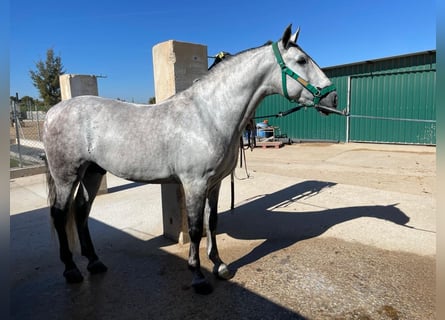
25, 135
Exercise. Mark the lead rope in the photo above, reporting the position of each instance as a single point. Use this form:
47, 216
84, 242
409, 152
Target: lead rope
242, 156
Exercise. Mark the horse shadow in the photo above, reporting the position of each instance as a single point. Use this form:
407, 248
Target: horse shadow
262, 219
143, 281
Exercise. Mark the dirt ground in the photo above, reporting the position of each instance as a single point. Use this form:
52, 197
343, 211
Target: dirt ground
378, 166
303, 252
326, 277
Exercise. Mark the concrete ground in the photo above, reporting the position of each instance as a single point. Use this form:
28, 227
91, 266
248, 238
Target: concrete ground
319, 231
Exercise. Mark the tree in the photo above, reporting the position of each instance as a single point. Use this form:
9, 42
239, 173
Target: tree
152, 100
46, 78
30, 102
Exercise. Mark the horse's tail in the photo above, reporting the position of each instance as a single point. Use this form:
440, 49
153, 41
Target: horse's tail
70, 228
50, 185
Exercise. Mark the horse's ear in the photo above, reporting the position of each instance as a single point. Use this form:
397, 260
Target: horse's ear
294, 37
286, 35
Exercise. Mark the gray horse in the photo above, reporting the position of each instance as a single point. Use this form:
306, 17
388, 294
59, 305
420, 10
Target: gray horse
196, 144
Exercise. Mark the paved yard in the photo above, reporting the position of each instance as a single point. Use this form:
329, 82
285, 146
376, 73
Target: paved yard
320, 231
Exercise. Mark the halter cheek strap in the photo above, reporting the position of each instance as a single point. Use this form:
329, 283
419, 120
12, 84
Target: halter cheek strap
285, 71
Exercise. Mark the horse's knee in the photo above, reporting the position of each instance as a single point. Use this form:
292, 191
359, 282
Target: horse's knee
195, 233
195, 227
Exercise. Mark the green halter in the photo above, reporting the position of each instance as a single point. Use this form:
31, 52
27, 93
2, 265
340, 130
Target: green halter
285, 71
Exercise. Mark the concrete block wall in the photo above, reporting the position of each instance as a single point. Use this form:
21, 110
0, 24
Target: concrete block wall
73, 85
176, 65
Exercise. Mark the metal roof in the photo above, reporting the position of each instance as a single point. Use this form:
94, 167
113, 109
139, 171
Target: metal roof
426, 52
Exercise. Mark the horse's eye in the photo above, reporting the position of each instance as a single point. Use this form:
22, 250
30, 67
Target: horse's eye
302, 60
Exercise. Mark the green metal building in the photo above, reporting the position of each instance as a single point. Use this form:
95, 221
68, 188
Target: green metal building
390, 100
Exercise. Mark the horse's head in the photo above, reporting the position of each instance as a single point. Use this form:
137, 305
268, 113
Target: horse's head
301, 78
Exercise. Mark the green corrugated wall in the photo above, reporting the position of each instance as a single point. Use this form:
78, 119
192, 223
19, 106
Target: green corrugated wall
306, 124
391, 100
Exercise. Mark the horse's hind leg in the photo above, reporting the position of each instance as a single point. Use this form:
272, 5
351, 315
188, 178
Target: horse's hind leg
59, 214
211, 219
88, 187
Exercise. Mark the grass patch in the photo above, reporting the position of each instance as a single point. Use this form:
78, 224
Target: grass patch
13, 163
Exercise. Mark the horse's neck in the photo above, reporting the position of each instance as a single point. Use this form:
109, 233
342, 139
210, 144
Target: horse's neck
234, 92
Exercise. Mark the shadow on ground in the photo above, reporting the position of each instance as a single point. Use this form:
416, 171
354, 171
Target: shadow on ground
262, 219
145, 282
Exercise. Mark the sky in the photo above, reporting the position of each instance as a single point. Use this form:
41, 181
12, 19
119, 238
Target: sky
115, 38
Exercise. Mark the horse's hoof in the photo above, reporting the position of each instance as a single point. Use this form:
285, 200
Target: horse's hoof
202, 286
73, 275
96, 267
223, 272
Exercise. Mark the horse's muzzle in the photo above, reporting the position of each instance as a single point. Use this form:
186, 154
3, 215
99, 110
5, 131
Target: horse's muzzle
329, 103
330, 100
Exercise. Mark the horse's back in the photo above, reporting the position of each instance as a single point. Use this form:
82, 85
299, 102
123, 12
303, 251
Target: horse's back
113, 134
88, 106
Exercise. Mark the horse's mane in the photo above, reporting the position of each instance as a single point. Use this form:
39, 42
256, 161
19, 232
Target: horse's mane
229, 57
268, 43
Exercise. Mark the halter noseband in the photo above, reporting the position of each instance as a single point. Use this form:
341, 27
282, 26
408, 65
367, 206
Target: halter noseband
285, 71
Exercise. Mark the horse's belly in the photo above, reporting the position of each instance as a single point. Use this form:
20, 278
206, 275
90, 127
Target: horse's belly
136, 164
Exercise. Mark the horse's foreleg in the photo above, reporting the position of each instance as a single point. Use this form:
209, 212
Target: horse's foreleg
86, 194
194, 200
211, 220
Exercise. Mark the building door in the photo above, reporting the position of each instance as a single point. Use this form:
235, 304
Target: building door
393, 107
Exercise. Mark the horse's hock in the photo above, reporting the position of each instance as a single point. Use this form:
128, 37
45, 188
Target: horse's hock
175, 66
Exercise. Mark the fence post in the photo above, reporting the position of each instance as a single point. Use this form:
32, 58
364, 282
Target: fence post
16, 123
348, 106
38, 122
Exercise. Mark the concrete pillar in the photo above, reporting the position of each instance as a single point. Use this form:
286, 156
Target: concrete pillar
73, 85
175, 66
